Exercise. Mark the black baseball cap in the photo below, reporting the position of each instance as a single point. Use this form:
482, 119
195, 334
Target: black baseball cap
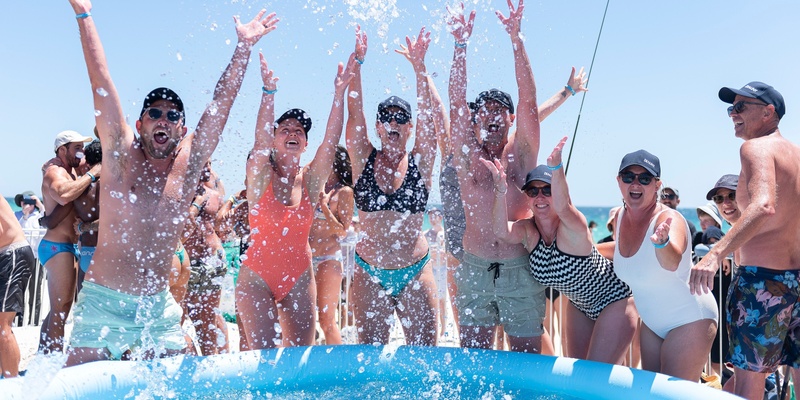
756, 90
163, 93
644, 159
394, 101
541, 173
298, 114
496, 95
729, 181
22, 196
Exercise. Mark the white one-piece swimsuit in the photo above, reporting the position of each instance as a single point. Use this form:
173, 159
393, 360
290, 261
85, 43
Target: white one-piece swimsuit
662, 297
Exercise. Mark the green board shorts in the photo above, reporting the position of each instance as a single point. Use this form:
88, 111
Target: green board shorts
500, 292
106, 318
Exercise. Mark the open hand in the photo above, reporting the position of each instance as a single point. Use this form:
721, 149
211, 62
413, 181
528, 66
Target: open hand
254, 30
555, 157
514, 20
270, 81
460, 27
415, 49
498, 172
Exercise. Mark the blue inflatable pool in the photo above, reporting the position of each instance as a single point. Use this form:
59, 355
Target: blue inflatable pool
360, 371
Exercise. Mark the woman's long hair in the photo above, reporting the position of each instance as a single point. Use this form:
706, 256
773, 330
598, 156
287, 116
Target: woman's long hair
342, 167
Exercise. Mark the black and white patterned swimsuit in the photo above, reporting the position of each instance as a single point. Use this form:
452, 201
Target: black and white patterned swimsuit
588, 281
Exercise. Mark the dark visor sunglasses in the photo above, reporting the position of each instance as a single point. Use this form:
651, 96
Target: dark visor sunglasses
172, 115
719, 199
738, 107
533, 191
644, 178
666, 196
387, 117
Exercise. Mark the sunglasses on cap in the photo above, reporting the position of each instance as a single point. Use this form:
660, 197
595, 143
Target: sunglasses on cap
387, 116
533, 191
172, 115
738, 107
644, 178
719, 199
667, 196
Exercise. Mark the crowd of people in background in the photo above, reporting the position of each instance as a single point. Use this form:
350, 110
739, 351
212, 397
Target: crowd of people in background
505, 248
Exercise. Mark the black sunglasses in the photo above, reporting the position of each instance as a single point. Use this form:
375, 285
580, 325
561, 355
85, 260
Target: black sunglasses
533, 191
738, 107
719, 199
666, 196
644, 178
172, 115
386, 117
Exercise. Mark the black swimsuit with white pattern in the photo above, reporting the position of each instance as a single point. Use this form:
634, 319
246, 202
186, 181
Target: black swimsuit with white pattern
588, 281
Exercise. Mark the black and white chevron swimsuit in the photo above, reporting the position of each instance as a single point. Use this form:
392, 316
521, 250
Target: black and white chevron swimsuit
588, 281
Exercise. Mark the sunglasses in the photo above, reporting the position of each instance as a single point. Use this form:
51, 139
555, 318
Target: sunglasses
644, 178
533, 191
719, 199
665, 196
387, 117
738, 107
172, 115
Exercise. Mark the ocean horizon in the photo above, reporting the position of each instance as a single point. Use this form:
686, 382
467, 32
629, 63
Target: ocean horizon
598, 214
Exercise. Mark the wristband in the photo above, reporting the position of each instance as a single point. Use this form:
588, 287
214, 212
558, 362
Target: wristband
198, 207
360, 61
461, 45
84, 15
498, 193
554, 167
267, 91
568, 87
662, 245
80, 227
94, 178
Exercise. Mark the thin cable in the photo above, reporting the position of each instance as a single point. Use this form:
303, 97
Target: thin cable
589, 76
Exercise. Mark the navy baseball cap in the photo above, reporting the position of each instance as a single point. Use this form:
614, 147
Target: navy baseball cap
756, 90
394, 101
644, 159
163, 93
496, 95
541, 173
729, 181
298, 114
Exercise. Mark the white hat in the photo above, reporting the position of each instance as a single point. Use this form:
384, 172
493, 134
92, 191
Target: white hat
66, 137
712, 210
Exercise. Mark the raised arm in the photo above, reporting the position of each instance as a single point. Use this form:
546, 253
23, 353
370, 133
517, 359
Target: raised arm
576, 82
508, 231
461, 133
259, 168
209, 128
526, 137
573, 231
320, 167
425, 144
441, 122
356, 138
112, 130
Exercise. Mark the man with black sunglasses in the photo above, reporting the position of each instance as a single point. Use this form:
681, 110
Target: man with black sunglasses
147, 187
762, 330
495, 287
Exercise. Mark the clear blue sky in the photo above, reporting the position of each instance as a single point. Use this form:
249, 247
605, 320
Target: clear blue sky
654, 84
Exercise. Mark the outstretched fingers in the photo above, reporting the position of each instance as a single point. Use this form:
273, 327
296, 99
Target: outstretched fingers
555, 157
270, 81
661, 234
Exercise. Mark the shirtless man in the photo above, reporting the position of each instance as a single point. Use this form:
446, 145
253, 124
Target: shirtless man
761, 323
16, 264
494, 284
149, 183
60, 186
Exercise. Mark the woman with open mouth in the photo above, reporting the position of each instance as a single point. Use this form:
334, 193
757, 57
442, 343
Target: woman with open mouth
276, 293
653, 255
391, 194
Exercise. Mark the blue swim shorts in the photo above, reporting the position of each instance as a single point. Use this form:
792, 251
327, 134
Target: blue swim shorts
764, 318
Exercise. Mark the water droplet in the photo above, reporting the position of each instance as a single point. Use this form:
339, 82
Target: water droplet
97, 113
213, 26
285, 231
132, 198
116, 195
102, 92
178, 55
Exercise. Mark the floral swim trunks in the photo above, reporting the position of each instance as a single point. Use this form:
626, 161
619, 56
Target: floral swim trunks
764, 318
